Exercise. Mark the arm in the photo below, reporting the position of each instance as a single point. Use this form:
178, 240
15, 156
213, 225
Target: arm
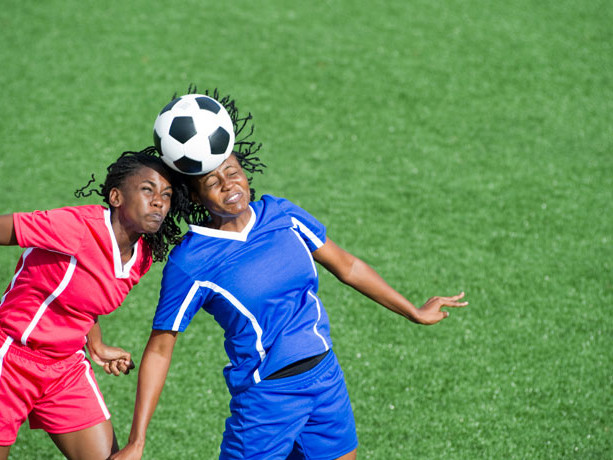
114, 360
151, 378
359, 275
7, 231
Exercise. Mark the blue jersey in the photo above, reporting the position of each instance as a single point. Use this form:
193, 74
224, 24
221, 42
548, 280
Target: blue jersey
260, 285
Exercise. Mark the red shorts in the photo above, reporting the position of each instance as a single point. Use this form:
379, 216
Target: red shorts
58, 396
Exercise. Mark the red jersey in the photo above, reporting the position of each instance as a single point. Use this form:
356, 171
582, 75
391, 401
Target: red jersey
70, 273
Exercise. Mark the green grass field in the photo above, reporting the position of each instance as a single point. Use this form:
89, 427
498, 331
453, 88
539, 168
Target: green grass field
455, 145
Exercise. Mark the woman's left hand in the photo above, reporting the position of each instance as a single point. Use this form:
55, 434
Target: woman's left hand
113, 360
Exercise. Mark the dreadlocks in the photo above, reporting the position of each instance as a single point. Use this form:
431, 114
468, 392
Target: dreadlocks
245, 151
125, 166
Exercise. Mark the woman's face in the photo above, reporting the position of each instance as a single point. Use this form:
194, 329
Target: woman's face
143, 200
224, 191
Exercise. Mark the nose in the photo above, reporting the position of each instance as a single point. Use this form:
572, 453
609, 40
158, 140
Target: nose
225, 184
156, 200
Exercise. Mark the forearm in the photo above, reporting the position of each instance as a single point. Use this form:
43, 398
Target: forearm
94, 337
151, 378
363, 278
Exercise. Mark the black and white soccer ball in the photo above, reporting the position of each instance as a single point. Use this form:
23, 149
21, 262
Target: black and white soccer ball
194, 134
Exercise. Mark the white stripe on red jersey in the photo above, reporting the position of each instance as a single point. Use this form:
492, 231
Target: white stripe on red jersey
71, 274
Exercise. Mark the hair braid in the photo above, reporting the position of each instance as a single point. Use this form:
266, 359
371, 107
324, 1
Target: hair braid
244, 149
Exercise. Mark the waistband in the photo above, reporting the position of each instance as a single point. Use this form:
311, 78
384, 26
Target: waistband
328, 364
14, 346
298, 367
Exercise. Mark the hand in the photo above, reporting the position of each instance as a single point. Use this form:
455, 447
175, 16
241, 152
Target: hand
130, 452
113, 360
431, 313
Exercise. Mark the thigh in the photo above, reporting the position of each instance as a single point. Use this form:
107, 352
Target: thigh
73, 402
350, 456
95, 442
298, 454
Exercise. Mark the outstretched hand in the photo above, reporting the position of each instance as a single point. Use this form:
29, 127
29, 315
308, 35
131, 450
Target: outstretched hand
431, 313
113, 360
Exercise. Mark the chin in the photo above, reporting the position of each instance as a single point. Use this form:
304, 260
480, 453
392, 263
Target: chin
152, 229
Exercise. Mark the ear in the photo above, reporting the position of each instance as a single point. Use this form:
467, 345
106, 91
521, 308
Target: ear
115, 197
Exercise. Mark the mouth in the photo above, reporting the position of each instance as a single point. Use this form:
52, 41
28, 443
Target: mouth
155, 217
233, 198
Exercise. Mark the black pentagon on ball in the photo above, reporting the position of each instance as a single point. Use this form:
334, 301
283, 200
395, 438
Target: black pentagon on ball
170, 105
188, 166
219, 141
182, 129
206, 103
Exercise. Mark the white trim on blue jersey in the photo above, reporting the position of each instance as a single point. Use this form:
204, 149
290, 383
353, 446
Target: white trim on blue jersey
318, 318
238, 236
260, 284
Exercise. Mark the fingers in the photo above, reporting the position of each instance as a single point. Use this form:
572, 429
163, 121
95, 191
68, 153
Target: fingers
116, 366
129, 367
119, 366
126, 366
452, 301
434, 305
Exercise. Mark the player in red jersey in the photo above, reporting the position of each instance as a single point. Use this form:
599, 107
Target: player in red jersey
79, 262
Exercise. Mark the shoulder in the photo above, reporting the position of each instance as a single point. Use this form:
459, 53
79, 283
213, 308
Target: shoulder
76, 212
61, 229
272, 199
89, 215
287, 207
181, 266
278, 203
187, 251
96, 218
93, 211
69, 216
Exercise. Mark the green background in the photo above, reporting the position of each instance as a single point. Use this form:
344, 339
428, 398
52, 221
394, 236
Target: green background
453, 145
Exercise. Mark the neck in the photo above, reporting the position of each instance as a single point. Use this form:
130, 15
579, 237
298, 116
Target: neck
232, 223
125, 238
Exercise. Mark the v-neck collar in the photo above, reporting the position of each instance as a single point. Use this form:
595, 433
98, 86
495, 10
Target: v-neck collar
121, 270
216, 233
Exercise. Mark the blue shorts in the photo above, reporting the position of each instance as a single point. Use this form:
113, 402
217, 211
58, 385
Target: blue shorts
306, 416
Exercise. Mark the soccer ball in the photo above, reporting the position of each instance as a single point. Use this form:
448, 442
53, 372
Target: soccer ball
193, 134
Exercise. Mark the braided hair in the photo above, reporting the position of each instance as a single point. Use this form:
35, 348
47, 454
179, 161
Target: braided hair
125, 166
244, 150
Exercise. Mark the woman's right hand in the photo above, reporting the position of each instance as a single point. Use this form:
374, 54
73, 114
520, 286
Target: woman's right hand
130, 452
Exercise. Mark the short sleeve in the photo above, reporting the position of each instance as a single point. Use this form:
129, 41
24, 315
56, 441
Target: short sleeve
310, 229
59, 230
180, 299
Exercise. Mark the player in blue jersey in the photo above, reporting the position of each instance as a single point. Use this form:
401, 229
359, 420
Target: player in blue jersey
251, 264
